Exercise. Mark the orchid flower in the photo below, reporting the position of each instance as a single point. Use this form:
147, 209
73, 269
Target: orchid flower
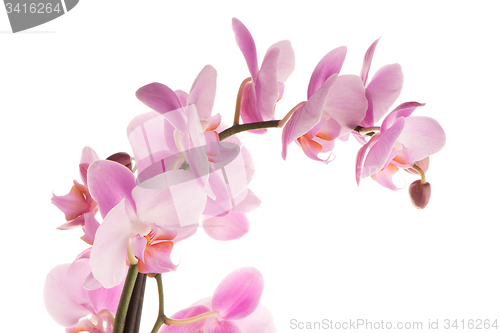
335, 106
402, 142
383, 89
175, 138
266, 84
78, 205
139, 219
233, 308
74, 307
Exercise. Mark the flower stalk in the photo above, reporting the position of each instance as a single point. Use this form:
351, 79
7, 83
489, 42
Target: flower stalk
128, 288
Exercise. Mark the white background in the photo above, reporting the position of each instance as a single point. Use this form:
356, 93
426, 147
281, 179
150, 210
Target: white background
327, 249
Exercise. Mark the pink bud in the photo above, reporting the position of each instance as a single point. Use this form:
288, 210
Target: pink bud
122, 158
420, 194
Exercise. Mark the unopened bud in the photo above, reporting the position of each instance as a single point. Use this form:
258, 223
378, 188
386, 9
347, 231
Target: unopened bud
122, 158
420, 194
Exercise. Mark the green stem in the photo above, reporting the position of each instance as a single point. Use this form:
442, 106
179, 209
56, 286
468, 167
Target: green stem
128, 288
134, 312
247, 127
161, 310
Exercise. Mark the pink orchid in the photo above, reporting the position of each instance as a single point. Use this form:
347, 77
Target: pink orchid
335, 106
402, 142
176, 138
78, 205
383, 89
266, 85
73, 306
233, 308
140, 216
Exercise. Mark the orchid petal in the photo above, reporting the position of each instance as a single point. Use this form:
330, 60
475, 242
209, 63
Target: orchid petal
381, 150
109, 183
360, 156
346, 102
137, 246
423, 135
213, 325
157, 258
183, 314
261, 320
385, 87
74, 203
286, 60
248, 107
102, 298
330, 64
384, 177
248, 204
202, 92
247, 46
158, 97
63, 294
229, 227
109, 251
182, 95
238, 295
367, 61
88, 156
312, 149
402, 110
266, 84
90, 228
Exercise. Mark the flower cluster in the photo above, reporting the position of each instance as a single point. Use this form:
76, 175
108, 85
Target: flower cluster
190, 170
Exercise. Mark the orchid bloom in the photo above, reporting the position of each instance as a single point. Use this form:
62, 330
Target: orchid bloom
402, 142
76, 308
335, 106
266, 85
383, 90
78, 205
141, 220
233, 308
174, 137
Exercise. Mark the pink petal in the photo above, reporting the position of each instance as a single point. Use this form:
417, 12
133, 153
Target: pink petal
346, 102
384, 177
286, 60
423, 135
367, 61
378, 155
158, 97
247, 46
261, 320
329, 65
238, 295
403, 110
202, 92
90, 228
229, 227
312, 149
266, 84
248, 204
102, 298
385, 87
88, 156
248, 109
109, 183
63, 293
109, 252
182, 95
157, 258
137, 246
360, 156
74, 203
213, 325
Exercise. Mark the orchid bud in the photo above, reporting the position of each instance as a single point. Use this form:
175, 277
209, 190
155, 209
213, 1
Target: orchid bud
122, 158
420, 194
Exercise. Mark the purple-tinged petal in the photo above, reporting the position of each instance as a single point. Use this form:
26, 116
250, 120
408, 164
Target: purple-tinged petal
346, 102
403, 110
88, 156
368, 121
229, 227
248, 107
308, 116
238, 295
312, 149
378, 155
74, 203
247, 46
159, 97
286, 60
360, 156
102, 298
385, 87
182, 95
157, 258
330, 64
109, 252
266, 84
423, 135
183, 314
384, 177
90, 228
109, 183
137, 246
202, 92
63, 294
367, 61
261, 320
213, 325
